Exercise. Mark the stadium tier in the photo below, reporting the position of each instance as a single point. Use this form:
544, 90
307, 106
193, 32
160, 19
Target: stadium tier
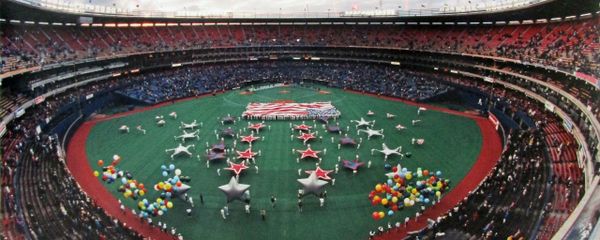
137, 126
570, 45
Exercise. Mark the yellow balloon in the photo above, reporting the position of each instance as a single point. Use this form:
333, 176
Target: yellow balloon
381, 214
169, 205
378, 187
394, 199
414, 191
158, 200
96, 173
384, 201
142, 193
408, 176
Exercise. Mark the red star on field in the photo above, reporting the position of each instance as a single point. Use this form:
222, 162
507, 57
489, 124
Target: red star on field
302, 127
256, 126
237, 168
247, 154
322, 174
249, 138
306, 136
308, 153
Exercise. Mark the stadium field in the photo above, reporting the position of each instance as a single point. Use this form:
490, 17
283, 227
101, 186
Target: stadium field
453, 144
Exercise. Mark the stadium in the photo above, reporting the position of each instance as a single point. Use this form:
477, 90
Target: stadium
391, 120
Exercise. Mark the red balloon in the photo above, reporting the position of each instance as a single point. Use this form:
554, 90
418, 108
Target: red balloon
178, 184
394, 207
375, 215
394, 169
425, 172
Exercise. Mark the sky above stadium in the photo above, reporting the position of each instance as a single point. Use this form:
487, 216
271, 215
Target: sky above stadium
285, 5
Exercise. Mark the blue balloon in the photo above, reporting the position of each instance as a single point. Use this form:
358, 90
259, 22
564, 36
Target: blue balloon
163, 167
123, 180
176, 178
390, 213
164, 173
426, 200
438, 173
168, 195
173, 181
389, 182
387, 166
172, 166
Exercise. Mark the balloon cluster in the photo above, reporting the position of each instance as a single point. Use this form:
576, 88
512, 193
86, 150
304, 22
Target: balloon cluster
171, 185
110, 172
131, 188
166, 171
153, 209
404, 189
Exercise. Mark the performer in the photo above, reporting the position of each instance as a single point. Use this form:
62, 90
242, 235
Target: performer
139, 128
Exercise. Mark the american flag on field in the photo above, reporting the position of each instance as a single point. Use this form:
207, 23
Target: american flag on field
315, 109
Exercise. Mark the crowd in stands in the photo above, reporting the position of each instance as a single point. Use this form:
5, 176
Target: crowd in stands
373, 78
569, 45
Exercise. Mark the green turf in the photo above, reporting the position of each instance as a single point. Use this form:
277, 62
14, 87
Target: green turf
452, 146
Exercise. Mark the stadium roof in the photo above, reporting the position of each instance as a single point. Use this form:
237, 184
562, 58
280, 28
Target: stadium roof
35, 11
